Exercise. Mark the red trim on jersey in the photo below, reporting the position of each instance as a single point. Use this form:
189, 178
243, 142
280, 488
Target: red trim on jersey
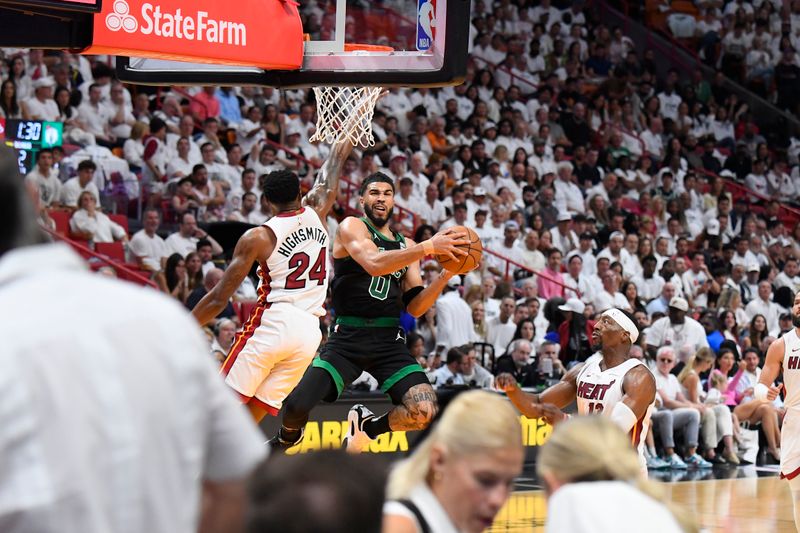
266, 284
268, 408
636, 433
791, 475
291, 213
242, 337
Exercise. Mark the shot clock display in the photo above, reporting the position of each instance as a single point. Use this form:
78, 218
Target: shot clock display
27, 137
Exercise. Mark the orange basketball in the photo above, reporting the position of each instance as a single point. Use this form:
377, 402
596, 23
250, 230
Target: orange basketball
466, 263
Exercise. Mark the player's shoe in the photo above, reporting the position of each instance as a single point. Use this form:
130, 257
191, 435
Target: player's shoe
675, 462
697, 461
357, 439
279, 444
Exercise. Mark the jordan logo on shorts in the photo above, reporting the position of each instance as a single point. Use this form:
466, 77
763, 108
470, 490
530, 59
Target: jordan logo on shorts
400, 336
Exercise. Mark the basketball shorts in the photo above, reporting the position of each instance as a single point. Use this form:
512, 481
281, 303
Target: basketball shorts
271, 353
382, 352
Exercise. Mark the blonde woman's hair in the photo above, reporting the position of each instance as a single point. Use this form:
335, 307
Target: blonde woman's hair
592, 448
475, 422
138, 130
704, 354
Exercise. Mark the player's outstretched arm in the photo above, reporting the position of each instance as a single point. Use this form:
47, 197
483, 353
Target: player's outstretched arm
323, 194
559, 395
354, 236
770, 372
639, 391
255, 244
526, 403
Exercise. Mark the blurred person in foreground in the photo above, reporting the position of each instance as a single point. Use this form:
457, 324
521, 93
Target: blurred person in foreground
587, 464
113, 417
460, 476
330, 502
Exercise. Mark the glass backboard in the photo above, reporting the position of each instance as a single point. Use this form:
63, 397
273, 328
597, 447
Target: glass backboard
406, 43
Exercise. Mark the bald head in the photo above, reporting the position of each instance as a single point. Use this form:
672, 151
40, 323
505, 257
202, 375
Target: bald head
212, 278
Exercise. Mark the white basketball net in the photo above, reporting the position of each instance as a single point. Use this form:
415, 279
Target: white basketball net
345, 114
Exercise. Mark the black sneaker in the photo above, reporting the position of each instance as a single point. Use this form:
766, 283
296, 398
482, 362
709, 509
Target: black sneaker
279, 445
357, 439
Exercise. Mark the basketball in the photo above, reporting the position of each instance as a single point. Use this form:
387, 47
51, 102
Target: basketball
469, 262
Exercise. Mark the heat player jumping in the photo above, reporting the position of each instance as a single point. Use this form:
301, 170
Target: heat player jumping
609, 383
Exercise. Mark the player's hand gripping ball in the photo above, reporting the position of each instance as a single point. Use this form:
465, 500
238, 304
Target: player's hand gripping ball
463, 263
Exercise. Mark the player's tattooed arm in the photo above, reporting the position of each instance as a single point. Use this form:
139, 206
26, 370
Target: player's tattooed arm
323, 194
419, 406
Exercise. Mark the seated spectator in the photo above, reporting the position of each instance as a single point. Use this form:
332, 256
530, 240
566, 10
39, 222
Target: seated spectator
209, 282
500, 330
45, 178
762, 304
676, 413
590, 459
716, 423
194, 270
751, 410
478, 321
451, 372
185, 239
475, 426
473, 373
173, 279
84, 181
518, 363
94, 225
676, 329
147, 247
224, 333
454, 326
551, 282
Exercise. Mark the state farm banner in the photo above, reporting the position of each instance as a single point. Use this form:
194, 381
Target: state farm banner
260, 33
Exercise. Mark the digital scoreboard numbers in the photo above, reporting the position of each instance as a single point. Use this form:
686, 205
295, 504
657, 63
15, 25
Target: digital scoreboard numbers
28, 137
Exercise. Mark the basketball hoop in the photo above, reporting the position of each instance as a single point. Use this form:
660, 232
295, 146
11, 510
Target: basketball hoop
345, 113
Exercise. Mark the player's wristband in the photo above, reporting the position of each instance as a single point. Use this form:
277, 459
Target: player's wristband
427, 247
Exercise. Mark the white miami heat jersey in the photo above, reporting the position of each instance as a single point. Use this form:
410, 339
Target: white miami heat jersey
297, 270
599, 391
790, 432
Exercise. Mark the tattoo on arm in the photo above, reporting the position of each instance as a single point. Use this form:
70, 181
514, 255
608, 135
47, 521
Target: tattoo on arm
417, 410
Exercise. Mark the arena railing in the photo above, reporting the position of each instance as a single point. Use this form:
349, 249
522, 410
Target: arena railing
506, 70
129, 274
509, 263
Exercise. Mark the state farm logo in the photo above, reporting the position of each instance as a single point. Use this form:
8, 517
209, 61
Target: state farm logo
121, 18
192, 27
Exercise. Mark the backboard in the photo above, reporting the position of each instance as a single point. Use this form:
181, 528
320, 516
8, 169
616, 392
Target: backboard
408, 43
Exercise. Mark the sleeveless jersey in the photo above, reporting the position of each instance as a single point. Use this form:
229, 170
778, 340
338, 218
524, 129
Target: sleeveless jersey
296, 270
356, 293
599, 392
790, 432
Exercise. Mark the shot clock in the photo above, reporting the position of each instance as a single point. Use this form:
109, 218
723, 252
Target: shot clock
27, 137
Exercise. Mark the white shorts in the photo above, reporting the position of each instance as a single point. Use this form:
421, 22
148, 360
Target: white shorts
790, 445
271, 353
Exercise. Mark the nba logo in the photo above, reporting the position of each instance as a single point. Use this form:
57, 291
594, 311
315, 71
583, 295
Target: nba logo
426, 24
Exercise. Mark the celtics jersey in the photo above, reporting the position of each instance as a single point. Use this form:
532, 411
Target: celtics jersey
356, 293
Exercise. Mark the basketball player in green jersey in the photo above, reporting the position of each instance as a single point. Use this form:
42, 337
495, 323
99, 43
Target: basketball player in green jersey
376, 276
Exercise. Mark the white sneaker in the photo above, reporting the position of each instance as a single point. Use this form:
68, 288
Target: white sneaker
357, 439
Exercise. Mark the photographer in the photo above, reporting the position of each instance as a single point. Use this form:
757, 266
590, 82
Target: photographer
451, 372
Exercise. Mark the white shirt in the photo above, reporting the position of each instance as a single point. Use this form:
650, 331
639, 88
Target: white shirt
150, 249
770, 310
49, 186
442, 376
596, 507
664, 333
667, 386
102, 228
72, 190
430, 508
37, 110
178, 244
141, 418
691, 283
569, 197
454, 325
499, 334
96, 118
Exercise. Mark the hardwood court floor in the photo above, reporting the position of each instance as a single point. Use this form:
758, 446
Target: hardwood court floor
741, 504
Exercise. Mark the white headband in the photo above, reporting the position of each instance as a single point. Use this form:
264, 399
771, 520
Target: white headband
624, 322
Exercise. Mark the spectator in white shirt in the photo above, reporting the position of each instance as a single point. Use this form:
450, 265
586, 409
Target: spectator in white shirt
431, 209
763, 305
500, 329
563, 237
450, 373
185, 239
531, 256
568, 195
757, 181
649, 283
651, 137
698, 281
742, 255
96, 116
508, 248
147, 248
454, 326
41, 106
84, 181
789, 275
45, 178
676, 329
94, 225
